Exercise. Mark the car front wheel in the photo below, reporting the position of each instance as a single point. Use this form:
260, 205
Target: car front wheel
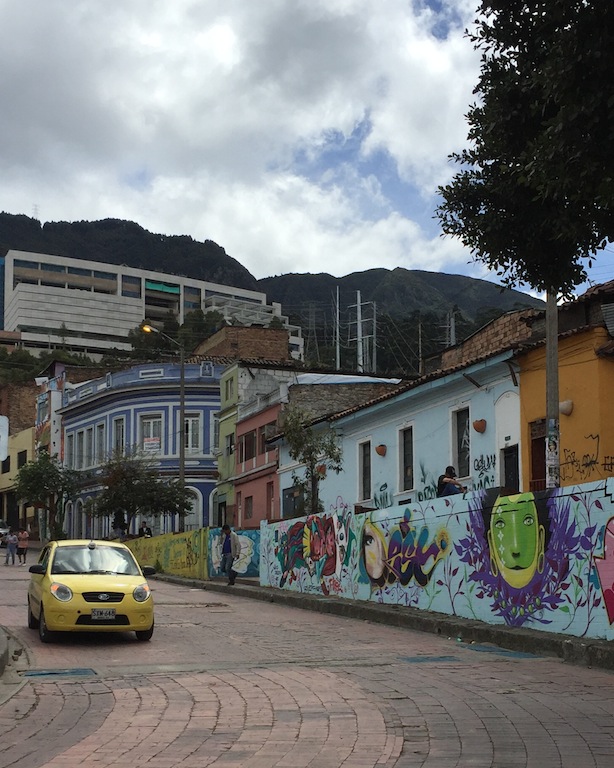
43, 632
32, 620
144, 634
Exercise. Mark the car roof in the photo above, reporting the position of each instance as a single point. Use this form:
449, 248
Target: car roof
87, 542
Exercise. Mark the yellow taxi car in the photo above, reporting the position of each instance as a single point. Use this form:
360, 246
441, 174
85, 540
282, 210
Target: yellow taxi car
89, 586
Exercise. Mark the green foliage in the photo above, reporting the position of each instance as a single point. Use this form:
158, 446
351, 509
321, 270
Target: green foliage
46, 483
317, 448
535, 192
198, 326
20, 365
132, 485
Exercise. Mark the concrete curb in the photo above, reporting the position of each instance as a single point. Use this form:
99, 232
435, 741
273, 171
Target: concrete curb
4, 650
575, 650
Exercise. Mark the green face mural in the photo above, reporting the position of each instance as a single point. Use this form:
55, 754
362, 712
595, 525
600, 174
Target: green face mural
516, 539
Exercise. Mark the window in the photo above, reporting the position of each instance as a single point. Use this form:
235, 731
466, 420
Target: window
192, 434
151, 433
407, 459
229, 388
229, 448
249, 507
22, 458
214, 430
249, 445
79, 450
6, 465
100, 444
119, 435
70, 451
42, 408
89, 447
364, 464
462, 442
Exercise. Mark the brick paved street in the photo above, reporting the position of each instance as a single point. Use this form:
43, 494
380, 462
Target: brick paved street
229, 681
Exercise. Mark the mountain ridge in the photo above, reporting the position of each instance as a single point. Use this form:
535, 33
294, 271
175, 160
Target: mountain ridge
398, 292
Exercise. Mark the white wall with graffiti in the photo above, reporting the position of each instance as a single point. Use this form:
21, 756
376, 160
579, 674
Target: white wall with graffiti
543, 561
414, 435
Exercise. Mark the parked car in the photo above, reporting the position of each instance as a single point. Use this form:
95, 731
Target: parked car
89, 586
4, 529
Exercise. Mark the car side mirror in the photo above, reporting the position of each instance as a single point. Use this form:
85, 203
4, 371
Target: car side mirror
37, 568
148, 570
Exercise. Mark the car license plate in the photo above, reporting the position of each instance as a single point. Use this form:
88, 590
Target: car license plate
103, 613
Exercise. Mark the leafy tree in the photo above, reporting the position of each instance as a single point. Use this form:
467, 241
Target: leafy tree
46, 483
132, 485
316, 448
535, 192
198, 326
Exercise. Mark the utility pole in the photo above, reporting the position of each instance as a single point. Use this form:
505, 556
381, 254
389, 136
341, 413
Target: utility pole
359, 349
337, 335
552, 392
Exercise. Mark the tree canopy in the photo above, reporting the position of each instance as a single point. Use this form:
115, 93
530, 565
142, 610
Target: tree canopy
534, 195
132, 485
46, 483
316, 448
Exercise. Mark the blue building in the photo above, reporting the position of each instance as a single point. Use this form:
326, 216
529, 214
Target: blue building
140, 408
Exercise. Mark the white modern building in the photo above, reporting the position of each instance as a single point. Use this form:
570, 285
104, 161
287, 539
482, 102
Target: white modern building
90, 306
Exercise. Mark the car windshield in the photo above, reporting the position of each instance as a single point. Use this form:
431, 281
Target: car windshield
99, 559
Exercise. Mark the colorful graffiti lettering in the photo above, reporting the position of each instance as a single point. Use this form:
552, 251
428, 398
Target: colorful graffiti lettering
403, 554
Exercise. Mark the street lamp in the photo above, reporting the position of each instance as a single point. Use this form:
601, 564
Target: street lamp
150, 329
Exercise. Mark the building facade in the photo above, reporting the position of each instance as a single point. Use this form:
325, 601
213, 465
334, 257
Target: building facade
90, 306
139, 408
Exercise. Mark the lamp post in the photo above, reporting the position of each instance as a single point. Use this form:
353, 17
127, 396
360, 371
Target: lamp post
150, 329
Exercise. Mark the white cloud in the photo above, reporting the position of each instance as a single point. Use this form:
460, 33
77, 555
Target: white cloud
237, 121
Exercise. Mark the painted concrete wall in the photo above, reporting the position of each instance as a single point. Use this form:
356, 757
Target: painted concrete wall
248, 563
180, 554
544, 560
196, 554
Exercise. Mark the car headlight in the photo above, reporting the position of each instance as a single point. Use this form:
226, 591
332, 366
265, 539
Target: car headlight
61, 592
141, 593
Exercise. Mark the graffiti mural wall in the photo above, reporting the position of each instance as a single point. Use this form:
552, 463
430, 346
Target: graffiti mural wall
182, 554
543, 560
248, 562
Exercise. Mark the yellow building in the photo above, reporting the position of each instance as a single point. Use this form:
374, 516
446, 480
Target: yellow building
20, 451
586, 408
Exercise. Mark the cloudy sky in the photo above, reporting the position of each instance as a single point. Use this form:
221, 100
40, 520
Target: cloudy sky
300, 135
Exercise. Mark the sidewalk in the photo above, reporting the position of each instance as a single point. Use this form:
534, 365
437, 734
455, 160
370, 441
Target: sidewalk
575, 650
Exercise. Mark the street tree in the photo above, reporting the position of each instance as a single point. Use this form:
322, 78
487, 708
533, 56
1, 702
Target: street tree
132, 486
316, 447
45, 483
534, 194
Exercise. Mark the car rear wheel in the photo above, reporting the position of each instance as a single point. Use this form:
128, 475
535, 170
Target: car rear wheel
32, 620
144, 634
43, 632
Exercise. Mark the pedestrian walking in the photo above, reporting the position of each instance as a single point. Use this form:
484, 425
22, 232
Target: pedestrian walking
11, 547
23, 538
231, 549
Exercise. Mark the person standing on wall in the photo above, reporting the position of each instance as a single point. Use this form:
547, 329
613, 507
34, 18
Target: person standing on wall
231, 549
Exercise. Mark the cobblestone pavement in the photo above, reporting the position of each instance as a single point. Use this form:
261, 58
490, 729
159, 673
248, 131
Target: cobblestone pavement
229, 681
